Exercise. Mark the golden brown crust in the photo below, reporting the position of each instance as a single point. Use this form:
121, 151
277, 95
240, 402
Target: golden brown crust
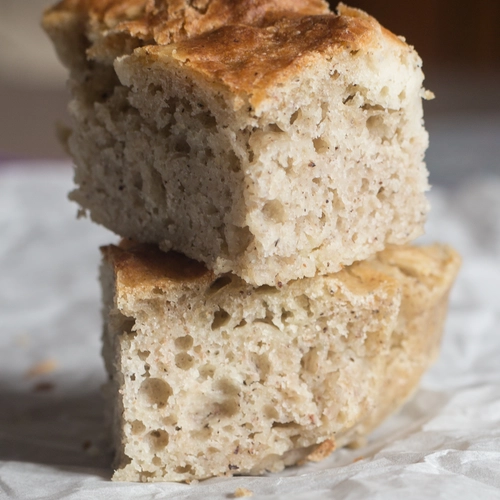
166, 21
247, 58
245, 45
250, 58
418, 270
139, 265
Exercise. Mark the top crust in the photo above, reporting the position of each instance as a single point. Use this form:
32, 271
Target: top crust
249, 59
144, 266
113, 26
429, 269
247, 46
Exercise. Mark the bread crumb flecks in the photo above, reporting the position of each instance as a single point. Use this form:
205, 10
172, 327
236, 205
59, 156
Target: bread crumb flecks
42, 368
242, 492
43, 387
322, 451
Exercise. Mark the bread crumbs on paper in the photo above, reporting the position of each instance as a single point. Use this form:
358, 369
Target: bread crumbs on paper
242, 492
42, 368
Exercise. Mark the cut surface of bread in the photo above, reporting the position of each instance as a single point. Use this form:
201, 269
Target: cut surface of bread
274, 145
210, 376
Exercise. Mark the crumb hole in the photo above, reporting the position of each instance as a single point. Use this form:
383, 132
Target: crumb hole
372, 107
286, 315
275, 128
128, 325
184, 343
183, 469
228, 408
274, 211
320, 145
324, 110
375, 124
202, 434
154, 89
137, 427
184, 361
294, 117
155, 392
239, 238
156, 461
143, 355
137, 180
310, 361
305, 303
158, 439
285, 425
348, 99
221, 318
227, 387
262, 365
271, 412
185, 106
266, 290
234, 162
219, 284
182, 146
170, 419
207, 371
242, 323
207, 120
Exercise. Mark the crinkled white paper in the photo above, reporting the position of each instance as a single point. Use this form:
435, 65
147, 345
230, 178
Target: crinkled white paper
445, 443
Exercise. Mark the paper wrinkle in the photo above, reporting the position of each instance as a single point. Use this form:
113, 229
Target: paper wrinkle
445, 443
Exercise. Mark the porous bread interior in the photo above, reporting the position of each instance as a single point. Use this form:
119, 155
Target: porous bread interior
215, 377
329, 173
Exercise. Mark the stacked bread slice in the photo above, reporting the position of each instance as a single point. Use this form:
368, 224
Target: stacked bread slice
263, 160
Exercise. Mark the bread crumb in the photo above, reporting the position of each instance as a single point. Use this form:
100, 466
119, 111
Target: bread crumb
322, 451
429, 95
42, 368
243, 492
43, 387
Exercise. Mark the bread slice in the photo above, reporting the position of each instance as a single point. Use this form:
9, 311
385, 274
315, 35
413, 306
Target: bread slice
210, 376
279, 145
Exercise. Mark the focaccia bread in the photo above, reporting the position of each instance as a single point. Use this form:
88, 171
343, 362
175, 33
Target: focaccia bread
210, 376
273, 140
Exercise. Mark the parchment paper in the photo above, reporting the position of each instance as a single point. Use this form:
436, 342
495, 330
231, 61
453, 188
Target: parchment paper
445, 443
